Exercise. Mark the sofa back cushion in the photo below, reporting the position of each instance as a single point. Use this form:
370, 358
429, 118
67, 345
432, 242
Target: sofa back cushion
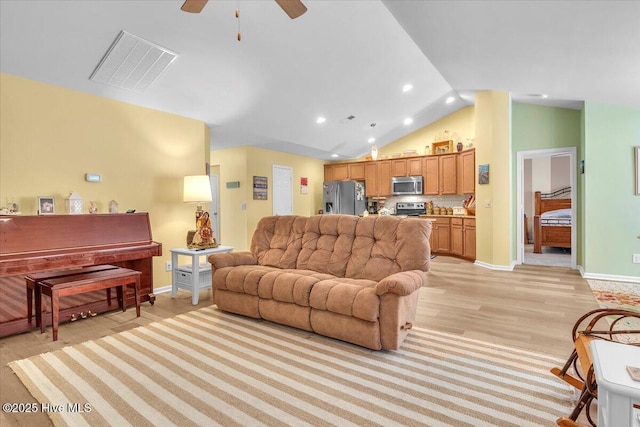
384, 245
326, 244
278, 239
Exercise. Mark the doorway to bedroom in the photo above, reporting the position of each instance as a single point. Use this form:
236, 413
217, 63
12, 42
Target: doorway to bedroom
546, 229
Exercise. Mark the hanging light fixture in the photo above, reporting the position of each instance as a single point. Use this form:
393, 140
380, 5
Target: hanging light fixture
374, 152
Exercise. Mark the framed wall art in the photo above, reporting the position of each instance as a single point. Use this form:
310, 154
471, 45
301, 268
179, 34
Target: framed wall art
483, 174
260, 187
46, 205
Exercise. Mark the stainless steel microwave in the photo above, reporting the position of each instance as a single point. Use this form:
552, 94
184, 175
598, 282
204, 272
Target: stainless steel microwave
403, 185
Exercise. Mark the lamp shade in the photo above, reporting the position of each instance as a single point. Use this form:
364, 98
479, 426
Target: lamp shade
197, 188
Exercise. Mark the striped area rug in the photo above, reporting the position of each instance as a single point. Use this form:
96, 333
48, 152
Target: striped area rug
210, 368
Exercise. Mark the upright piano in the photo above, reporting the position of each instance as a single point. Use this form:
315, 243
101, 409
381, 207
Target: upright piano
30, 244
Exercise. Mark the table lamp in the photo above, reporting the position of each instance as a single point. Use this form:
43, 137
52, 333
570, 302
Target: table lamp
197, 189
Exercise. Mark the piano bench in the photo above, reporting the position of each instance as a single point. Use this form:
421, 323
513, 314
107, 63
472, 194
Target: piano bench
82, 282
32, 279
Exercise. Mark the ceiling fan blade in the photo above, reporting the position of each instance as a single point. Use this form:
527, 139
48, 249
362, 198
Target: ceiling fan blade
293, 8
193, 6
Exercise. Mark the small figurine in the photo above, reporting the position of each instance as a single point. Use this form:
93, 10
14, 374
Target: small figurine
204, 238
113, 206
93, 208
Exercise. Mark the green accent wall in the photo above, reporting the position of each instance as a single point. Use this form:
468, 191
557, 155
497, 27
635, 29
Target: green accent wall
535, 127
611, 208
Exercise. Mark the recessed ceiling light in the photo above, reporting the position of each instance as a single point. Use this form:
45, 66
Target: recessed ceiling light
371, 140
334, 155
544, 96
320, 120
408, 121
407, 87
450, 100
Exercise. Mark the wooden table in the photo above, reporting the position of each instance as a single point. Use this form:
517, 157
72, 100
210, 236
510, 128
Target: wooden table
116, 277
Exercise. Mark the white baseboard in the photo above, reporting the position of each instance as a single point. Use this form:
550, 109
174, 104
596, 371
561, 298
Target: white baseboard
611, 277
495, 267
162, 290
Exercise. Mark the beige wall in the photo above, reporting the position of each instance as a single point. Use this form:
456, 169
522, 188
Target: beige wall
461, 122
242, 164
51, 136
493, 147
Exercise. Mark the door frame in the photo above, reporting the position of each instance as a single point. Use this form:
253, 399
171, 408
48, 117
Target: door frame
533, 154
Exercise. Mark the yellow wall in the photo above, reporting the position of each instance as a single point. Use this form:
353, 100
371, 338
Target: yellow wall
493, 147
51, 136
461, 122
242, 164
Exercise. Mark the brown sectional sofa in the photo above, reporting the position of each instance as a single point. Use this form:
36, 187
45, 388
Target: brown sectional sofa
351, 278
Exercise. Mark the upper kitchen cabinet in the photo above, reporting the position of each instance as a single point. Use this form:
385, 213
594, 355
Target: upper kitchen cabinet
344, 171
406, 167
377, 182
440, 174
467, 172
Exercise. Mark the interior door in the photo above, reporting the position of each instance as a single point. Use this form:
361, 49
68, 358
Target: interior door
282, 190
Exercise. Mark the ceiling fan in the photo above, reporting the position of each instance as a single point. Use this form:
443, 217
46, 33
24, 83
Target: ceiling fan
293, 8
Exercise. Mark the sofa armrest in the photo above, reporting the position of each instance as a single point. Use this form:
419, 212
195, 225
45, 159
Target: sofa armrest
231, 259
403, 283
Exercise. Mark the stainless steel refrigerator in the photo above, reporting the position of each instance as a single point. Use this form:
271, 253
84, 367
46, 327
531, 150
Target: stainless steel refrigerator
343, 197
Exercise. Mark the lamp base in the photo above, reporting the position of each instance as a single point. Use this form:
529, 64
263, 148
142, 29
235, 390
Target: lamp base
199, 245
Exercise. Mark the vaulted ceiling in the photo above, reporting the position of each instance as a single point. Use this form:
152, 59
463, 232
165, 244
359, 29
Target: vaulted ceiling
341, 58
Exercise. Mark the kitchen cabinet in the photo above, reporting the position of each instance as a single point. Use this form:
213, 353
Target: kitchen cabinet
377, 179
440, 239
406, 167
384, 178
463, 237
440, 174
467, 172
344, 171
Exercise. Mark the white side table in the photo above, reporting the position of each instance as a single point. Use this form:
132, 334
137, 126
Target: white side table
616, 390
193, 277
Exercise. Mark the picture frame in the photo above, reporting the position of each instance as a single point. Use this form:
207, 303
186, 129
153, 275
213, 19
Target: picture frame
260, 188
637, 150
483, 174
46, 205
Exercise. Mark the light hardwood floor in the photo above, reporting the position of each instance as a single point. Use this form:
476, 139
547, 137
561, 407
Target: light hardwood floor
531, 307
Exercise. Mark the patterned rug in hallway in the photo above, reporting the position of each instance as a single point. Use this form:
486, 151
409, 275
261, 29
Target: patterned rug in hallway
209, 368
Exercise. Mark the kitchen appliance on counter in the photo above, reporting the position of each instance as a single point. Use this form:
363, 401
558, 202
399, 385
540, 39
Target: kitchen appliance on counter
411, 208
406, 185
343, 197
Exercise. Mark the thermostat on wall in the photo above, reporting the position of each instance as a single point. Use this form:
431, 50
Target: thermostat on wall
92, 177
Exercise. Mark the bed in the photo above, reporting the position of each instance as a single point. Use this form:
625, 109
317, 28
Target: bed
552, 220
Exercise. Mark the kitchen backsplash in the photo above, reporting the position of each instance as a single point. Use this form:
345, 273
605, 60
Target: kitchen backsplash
446, 201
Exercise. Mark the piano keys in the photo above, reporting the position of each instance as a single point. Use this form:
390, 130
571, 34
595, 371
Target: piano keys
30, 244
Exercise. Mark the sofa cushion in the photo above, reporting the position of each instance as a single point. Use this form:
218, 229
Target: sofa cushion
326, 244
288, 286
241, 279
385, 245
278, 239
349, 297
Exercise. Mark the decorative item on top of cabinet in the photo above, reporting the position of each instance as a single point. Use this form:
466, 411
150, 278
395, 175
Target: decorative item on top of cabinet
442, 147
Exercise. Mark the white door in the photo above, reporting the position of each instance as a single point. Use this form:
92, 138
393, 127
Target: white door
282, 190
215, 218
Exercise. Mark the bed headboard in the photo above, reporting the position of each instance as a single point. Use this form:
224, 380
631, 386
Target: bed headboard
559, 199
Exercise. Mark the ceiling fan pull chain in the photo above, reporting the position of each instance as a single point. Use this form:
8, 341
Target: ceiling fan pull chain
238, 18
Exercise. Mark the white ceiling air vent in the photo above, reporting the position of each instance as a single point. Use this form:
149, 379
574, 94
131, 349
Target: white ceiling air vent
347, 119
132, 63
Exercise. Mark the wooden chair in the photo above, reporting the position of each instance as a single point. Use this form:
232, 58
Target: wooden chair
597, 324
